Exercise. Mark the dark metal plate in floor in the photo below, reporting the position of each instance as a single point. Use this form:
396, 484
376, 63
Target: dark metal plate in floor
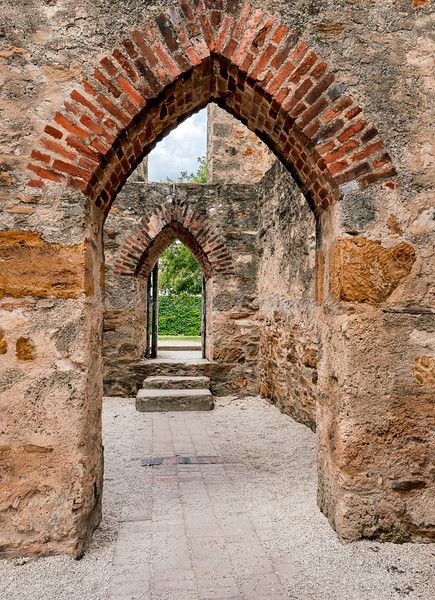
155, 461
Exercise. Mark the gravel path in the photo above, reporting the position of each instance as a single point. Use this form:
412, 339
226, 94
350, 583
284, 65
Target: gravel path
245, 528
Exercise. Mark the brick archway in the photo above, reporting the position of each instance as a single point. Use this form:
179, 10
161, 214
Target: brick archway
172, 65
188, 55
156, 231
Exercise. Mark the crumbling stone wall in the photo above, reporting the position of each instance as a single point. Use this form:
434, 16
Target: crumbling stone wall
230, 214
343, 94
286, 294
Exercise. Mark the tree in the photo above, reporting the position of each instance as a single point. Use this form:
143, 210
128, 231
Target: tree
179, 271
201, 175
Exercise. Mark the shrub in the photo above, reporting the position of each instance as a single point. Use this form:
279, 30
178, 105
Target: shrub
180, 314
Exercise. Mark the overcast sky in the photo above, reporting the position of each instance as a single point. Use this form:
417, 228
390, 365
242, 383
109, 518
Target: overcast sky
179, 151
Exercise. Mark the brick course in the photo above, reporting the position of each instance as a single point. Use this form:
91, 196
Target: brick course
193, 53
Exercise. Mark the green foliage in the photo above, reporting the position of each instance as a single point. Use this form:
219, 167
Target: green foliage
201, 175
179, 271
180, 314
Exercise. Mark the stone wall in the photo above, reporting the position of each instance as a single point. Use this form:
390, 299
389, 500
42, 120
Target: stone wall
235, 154
288, 347
343, 93
233, 330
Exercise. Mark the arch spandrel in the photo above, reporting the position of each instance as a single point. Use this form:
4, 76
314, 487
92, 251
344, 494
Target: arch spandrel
188, 55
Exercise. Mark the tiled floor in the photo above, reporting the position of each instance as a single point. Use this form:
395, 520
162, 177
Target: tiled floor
246, 527
192, 541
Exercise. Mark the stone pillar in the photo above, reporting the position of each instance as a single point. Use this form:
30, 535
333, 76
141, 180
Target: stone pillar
50, 378
377, 376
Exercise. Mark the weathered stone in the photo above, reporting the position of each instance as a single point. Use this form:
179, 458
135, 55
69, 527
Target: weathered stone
3, 342
167, 400
362, 270
25, 349
424, 370
29, 266
373, 413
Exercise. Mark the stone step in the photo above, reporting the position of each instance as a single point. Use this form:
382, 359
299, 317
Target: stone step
167, 367
179, 348
157, 400
176, 382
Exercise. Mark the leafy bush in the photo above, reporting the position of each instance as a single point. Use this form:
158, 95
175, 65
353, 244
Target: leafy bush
180, 314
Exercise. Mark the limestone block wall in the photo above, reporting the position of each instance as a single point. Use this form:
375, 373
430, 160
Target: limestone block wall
343, 92
235, 154
231, 214
288, 353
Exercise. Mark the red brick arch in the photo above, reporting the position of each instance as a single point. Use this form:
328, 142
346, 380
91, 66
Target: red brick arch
156, 232
199, 51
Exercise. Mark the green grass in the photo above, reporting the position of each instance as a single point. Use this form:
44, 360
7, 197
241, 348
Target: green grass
179, 338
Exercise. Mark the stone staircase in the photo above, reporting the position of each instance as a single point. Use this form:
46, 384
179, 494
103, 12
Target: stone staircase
165, 393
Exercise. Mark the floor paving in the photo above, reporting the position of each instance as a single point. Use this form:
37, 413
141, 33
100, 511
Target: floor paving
237, 521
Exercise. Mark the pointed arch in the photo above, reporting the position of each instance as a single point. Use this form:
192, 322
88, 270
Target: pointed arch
174, 220
187, 55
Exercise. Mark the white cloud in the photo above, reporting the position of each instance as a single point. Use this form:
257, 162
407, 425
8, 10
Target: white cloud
179, 151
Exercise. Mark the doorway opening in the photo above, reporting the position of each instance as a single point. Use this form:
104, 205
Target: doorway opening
176, 306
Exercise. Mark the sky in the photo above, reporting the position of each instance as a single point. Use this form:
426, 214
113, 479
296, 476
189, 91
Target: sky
179, 151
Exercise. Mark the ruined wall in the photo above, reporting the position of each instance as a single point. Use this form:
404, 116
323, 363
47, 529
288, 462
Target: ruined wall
288, 347
235, 154
233, 332
375, 247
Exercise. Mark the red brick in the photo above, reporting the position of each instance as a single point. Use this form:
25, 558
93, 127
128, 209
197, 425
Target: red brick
242, 20
304, 67
340, 151
280, 34
126, 65
382, 160
96, 128
40, 156
263, 61
313, 112
70, 126
78, 184
46, 173
57, 148
129, 47
108, 65
65, 167
190, 18
144, 48
53, 132
106, 83
352, 130
283, 51
167, 32
223, 33
131, 92
368, 151
343, 103
36, 183
113, 110
280, 78
81, 148
321, 87
77, 97
167, 61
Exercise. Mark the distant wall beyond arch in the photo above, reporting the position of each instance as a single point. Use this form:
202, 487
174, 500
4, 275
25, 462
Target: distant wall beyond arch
219, 225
